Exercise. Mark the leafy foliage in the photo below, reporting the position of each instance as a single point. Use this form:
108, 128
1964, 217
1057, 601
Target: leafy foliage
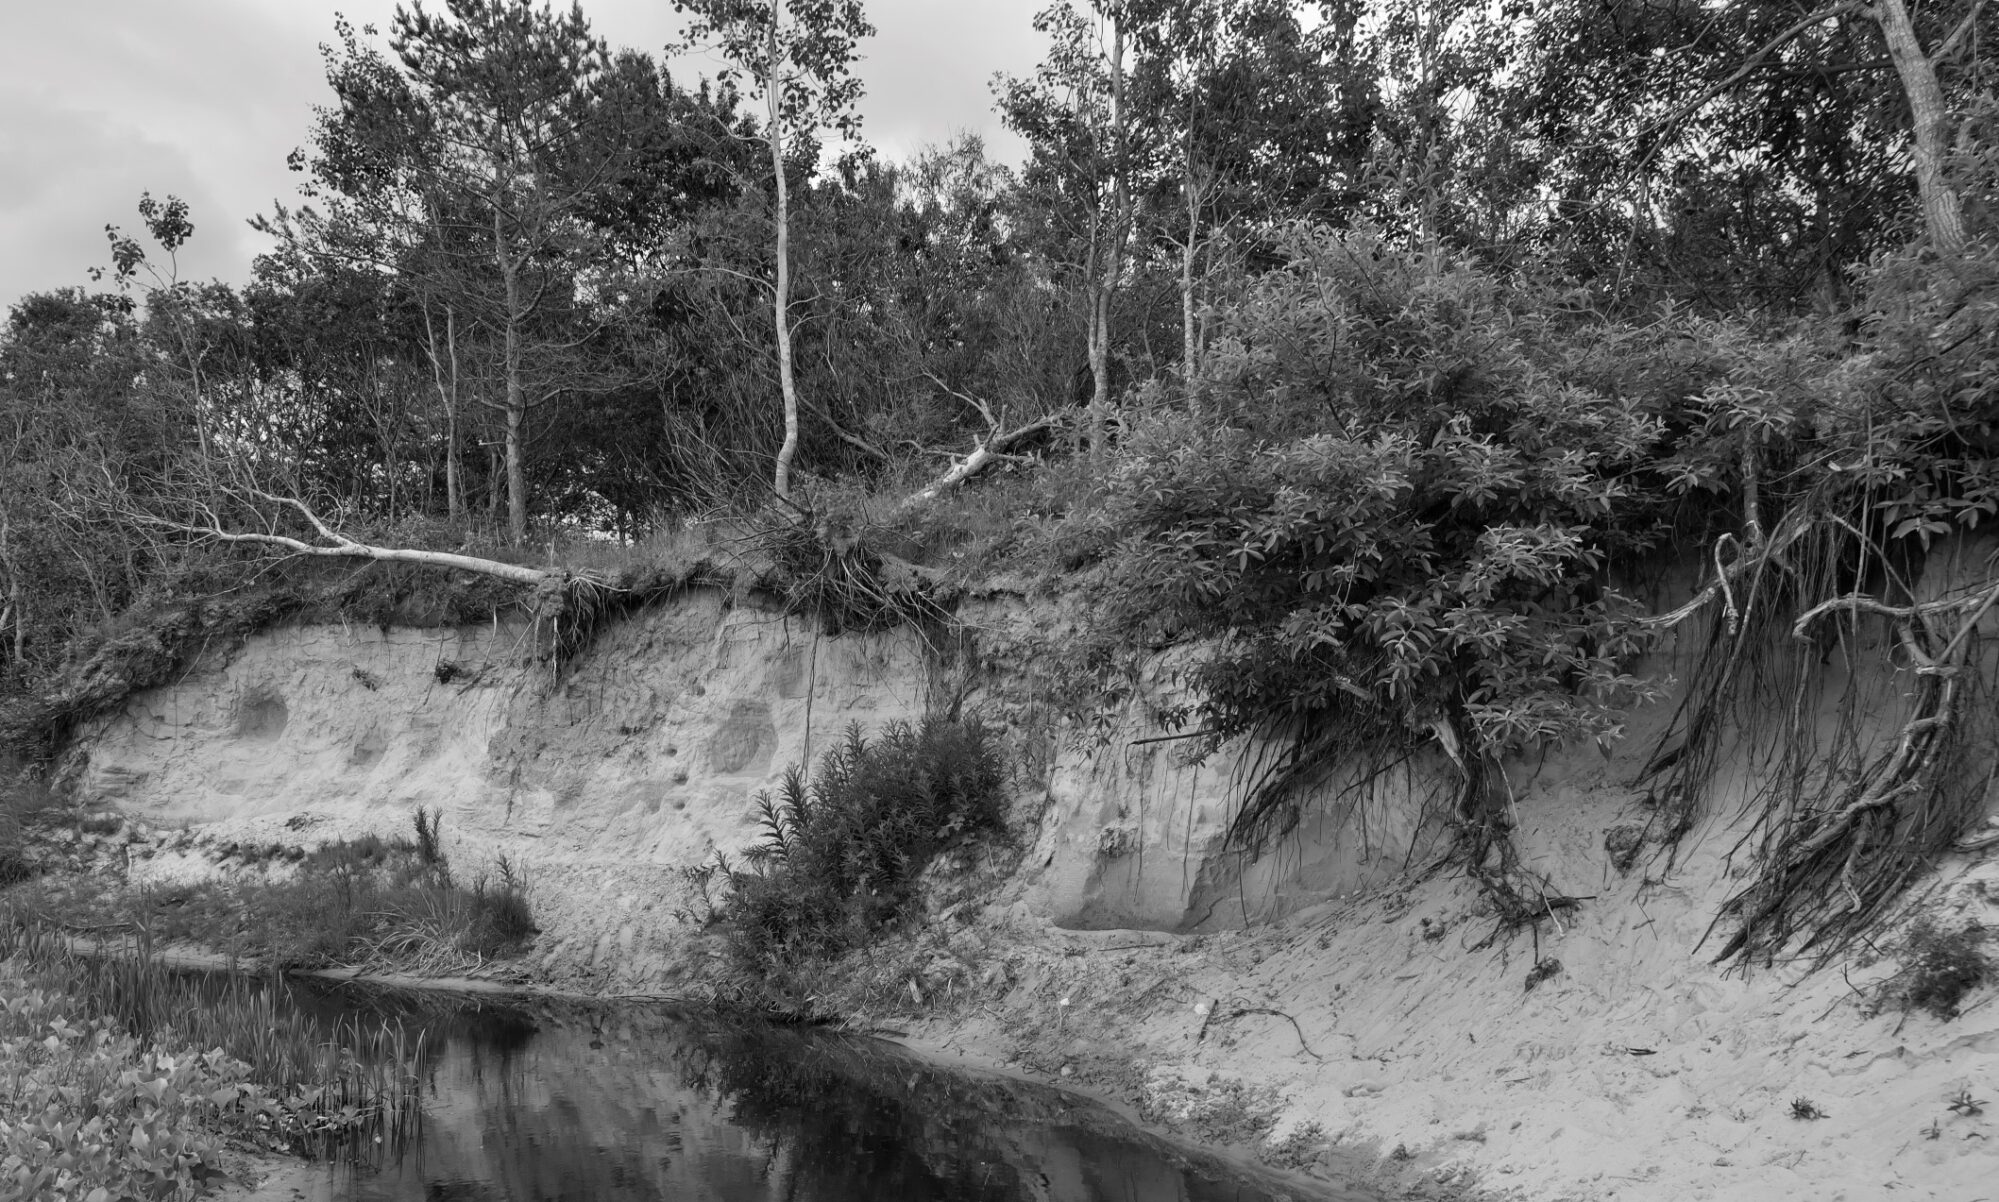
1941, 966
841, 855
1387, 516
126, 1078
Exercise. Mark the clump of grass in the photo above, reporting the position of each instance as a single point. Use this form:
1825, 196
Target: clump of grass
1939, 967
373, 901
840, 856
23, 798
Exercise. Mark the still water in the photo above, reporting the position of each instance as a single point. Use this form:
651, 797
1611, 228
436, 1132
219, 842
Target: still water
525, 1101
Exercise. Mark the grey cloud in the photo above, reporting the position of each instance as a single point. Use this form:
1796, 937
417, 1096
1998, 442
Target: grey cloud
204, 98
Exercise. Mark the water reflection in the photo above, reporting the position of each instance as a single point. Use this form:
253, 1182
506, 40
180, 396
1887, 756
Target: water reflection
543, 1101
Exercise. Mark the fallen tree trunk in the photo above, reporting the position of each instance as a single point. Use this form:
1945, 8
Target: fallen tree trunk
330, 543
985, 453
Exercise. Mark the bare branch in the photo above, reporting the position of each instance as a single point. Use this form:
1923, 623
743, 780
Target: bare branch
1754, 61
984, 454
332, 544
1951, 43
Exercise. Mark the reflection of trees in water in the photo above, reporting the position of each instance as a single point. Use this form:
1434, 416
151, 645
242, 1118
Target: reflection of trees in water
832, 1121
556, 1100
828, 1101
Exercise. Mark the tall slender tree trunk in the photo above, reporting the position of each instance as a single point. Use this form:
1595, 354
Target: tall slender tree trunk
1113, 247
454, 482
1190, 350
1943, 218
516, 402
16, 611
781, 292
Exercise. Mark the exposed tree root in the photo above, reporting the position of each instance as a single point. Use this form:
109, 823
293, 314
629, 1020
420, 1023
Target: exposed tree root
1828, 869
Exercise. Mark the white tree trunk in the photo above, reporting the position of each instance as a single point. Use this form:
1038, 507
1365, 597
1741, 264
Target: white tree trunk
1113, 250
781, 293
330, 543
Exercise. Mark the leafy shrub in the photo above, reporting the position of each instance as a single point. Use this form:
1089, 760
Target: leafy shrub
501, 918
840, 856
1387, 515
1939, 967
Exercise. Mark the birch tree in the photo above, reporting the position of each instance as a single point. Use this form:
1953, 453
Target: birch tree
797, 57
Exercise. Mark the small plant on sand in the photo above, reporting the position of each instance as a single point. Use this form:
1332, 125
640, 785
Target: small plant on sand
704, 906
1966, 1105
1805, 1108
429, 849
841, 855
1299, 1147
1939, 967
501, 917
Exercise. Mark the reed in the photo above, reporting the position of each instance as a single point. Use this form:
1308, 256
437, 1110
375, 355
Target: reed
324, 1086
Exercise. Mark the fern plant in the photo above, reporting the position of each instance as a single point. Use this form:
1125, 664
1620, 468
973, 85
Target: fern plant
840, 854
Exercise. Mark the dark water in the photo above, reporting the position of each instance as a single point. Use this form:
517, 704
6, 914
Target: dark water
531, 1101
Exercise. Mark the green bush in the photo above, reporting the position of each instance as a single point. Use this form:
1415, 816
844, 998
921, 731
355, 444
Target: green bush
501, 918
841, 855
1939, 967
1386, 513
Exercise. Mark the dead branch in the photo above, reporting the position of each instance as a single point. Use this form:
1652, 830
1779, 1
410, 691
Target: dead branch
988, 450
330, 543
1749, 64
1240, 1011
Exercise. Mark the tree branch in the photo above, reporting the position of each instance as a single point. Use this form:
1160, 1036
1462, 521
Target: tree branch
1755, 60
332, 544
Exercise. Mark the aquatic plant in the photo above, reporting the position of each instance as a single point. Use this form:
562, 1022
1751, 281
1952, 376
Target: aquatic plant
271, 1070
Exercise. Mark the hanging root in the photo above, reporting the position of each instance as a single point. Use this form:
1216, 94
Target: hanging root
1834, 858
839, 575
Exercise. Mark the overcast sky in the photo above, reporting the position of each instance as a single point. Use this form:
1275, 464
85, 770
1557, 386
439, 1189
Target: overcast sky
101, 100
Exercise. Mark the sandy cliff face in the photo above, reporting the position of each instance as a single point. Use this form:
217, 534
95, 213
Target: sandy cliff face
1320, 986
645, 756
